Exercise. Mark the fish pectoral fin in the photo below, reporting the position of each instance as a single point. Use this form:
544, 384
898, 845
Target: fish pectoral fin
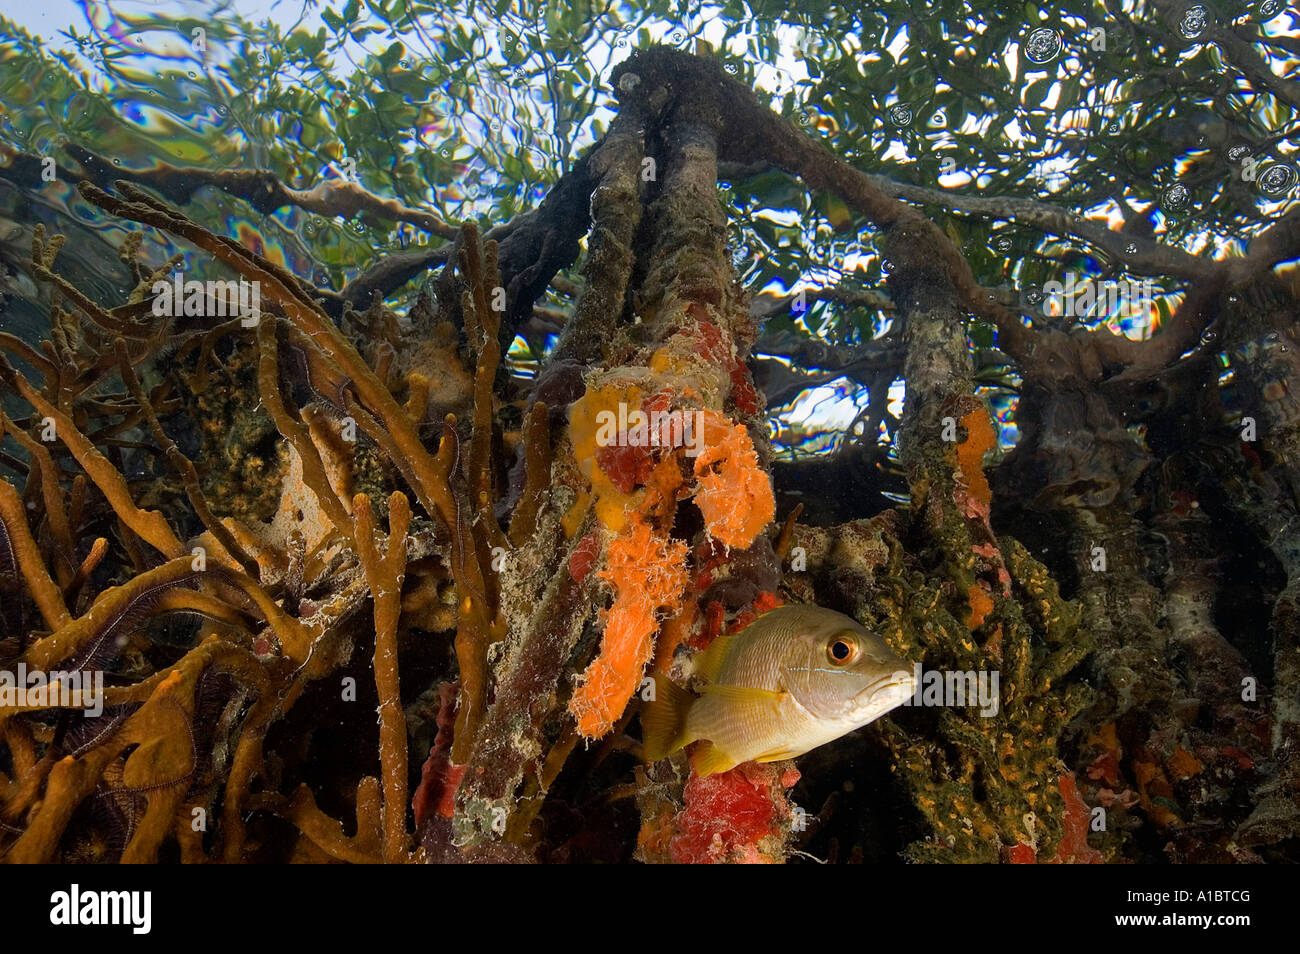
744, 695
709, 759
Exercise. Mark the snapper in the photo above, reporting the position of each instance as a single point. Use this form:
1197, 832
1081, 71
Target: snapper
797, 677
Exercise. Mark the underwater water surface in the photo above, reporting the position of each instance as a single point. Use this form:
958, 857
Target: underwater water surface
660, 433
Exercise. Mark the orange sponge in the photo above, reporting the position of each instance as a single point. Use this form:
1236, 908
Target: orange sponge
733, 493
648, 572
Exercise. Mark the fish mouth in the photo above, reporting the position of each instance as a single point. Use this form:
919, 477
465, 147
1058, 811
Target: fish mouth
887, 692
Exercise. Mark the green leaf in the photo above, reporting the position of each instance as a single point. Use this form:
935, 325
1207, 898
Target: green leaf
390, 56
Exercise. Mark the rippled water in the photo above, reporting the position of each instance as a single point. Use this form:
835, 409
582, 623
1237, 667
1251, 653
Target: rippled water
193, 84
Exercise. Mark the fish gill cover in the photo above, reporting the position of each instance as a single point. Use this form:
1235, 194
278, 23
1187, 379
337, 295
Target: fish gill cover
479, 365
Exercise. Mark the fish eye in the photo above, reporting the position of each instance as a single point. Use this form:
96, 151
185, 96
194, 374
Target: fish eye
842, 649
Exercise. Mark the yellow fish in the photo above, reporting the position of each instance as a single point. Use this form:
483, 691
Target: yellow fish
795, 678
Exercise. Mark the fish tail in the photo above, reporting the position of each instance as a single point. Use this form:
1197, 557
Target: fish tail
663, 720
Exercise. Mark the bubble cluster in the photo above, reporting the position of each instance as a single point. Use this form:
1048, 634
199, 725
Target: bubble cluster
1002, 243
1238, 152
1042, 45
1033, 296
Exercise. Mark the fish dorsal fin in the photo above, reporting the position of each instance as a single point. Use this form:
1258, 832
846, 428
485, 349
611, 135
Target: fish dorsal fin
744, 695
709, 759
709, 662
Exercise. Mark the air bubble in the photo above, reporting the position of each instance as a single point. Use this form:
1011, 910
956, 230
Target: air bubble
1114, 128
1195, 20
886, 266
1131, 248
679, 37
1042, 45
628, 82
805, 118
1033, 296
1238, 152
1002, 243
1175, 198
1269, 9
1277, 180
221, 110
731, 68
901, 115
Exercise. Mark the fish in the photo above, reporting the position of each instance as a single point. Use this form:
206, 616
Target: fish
797, 677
